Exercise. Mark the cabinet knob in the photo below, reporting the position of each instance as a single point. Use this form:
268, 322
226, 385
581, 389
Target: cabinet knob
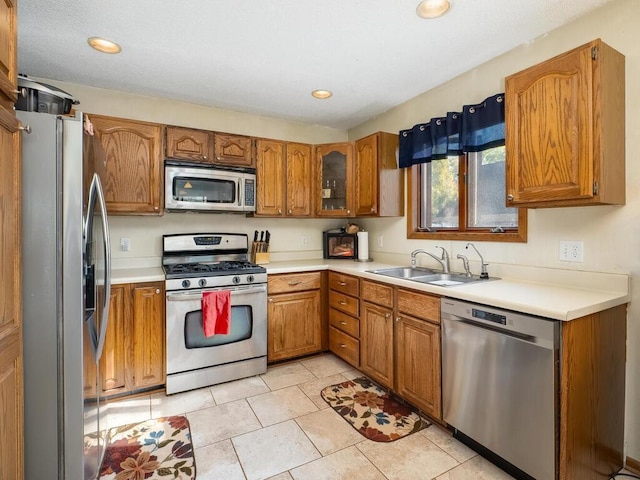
22, 92
156, 208
373, 210
25, 128
342, 283
279, 212
342, 345
343, 323
348, 212
270, 300
397, 319
343, 303
157, 290
204, 157
290, 211
510, 197
387, 315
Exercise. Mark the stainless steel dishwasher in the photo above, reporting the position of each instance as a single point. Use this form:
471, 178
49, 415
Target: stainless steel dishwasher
500, 376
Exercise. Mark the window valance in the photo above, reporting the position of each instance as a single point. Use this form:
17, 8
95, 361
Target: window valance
476, 128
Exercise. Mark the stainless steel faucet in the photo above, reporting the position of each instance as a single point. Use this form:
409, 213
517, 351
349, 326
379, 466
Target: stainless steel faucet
444, 262
465, 264
483, 270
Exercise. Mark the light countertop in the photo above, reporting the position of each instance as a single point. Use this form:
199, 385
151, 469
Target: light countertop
534, 295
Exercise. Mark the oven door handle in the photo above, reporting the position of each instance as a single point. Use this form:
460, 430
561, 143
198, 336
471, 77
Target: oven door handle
184, 296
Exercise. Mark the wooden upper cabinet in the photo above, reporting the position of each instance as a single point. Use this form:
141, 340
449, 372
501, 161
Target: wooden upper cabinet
379, 183
132, 166
190, 144
8, 73
334, 180
284, 173
565, 130
299, 180
233, 150
270, 173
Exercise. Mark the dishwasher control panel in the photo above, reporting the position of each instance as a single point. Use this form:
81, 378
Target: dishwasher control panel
488, 316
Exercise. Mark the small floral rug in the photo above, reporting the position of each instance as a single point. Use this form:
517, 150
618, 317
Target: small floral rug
372, 411
155, 449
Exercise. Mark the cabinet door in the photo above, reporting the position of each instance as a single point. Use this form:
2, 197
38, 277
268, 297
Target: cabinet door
549, 130
294, 325
366, 176
115, 359
299, 180
270, 177
8, 74
334, 180
148, 335
11, 376
233, 150
376, 343
189, 144
132, 170
417, 346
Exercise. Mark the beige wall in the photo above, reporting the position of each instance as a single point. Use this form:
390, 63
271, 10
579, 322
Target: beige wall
611, 235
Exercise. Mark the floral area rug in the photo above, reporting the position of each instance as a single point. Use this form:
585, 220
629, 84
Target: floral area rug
155, 449
372, 411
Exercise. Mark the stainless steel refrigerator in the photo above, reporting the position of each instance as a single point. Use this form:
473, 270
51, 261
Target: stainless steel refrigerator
66, 291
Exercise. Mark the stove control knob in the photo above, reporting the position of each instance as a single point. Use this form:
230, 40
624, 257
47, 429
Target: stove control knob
202, 282
236, 279
186, 283
250, 278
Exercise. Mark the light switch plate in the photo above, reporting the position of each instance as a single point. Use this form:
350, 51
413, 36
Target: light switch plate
571, 251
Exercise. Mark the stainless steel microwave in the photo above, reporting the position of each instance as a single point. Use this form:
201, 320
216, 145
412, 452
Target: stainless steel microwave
208, 188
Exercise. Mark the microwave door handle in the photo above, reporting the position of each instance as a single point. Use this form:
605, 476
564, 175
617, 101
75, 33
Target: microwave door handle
107, 266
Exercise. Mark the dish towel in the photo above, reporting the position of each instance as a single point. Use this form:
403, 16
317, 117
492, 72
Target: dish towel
216, 312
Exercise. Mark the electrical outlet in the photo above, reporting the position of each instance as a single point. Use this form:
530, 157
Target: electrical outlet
571, 251
379, 240
304, 239
125, 244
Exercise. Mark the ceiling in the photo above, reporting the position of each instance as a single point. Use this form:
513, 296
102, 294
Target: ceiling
266, 56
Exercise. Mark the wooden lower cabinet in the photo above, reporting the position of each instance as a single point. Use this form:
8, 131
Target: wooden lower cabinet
418, 372
148, 335
376, 343
133, 356
295, 315
344, 317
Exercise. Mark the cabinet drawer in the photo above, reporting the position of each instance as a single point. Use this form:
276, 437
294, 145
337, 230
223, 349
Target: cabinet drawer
344, 283
344, 346
344, 322
344, 303
419, 305
295, 282
377, 293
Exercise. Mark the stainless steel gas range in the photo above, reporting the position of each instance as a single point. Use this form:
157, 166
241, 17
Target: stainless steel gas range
198, 263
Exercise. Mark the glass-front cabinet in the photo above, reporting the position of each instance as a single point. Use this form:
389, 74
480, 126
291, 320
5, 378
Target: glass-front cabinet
335, 180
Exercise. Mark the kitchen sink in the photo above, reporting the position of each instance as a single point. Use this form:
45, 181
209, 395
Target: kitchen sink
404, 272
432, 277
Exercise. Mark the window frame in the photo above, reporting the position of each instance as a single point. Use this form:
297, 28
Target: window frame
463, 232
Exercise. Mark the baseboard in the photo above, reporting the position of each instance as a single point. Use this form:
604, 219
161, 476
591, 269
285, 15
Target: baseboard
633, 465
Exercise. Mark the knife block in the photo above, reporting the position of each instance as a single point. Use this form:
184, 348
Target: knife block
260, 257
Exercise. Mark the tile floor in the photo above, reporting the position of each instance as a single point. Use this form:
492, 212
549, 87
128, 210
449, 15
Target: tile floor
276, 426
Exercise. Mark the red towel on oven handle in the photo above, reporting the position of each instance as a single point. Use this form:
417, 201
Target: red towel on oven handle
216, 312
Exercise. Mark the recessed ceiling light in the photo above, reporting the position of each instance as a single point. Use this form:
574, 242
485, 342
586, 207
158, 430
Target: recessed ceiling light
432, 8
321, 94
103, 45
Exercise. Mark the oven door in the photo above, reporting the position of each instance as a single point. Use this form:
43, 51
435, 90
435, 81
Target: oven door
203, 189
187, 347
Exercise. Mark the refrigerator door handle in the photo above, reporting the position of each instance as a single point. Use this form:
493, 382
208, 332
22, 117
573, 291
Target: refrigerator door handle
107, 264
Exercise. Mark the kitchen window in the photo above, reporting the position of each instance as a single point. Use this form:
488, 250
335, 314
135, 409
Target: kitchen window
456, 177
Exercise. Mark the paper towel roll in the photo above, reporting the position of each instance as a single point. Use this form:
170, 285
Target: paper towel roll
363, 245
